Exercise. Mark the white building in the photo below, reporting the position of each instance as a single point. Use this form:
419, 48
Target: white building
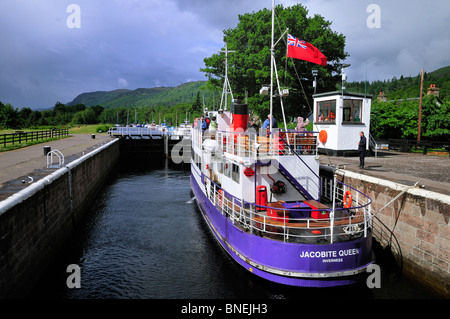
340, 116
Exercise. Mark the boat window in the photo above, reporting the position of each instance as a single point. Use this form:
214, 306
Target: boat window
219, 167
352, 111
227, 168
326, 111
235, 173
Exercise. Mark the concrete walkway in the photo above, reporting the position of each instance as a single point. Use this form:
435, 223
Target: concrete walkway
432, 171
16, 166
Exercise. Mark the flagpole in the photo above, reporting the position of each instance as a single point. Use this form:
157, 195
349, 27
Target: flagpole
420, 106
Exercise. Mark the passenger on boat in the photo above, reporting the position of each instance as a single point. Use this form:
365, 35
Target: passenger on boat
266, 123
207, 119
255, 123
204, 124
213, 124
299, 138
301, 125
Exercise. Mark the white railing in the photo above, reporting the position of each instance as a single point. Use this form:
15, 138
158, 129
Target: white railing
373, 143
254, 145
137, 131
342, 223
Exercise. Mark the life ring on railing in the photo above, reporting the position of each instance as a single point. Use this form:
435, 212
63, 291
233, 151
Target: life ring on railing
348, 198
220, 197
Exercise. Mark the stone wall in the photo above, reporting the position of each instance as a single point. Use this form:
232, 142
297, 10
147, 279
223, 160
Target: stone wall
419, 219
35, 222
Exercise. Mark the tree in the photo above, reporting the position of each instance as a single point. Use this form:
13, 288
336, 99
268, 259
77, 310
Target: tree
197, 105
8, 116
401, 119
85, 117
98, 109
24, 117
249, 66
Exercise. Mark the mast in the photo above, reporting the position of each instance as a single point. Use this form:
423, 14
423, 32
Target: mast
272, 67
226, 83
272, 61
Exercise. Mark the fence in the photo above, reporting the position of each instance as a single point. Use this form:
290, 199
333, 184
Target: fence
405, 145
19, 137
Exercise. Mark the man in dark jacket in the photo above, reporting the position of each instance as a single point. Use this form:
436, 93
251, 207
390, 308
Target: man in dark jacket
362, 149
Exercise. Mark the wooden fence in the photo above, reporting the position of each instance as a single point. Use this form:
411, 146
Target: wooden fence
404, 145
19, 137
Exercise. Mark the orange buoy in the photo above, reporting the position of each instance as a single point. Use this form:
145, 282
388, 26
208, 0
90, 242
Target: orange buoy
323, 136
348, 198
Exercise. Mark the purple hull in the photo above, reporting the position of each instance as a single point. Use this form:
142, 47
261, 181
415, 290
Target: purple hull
296, 264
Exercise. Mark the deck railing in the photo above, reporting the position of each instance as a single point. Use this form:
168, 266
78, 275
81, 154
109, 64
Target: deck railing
257, 145
342, 223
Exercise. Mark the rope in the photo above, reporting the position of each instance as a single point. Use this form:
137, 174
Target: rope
396, 197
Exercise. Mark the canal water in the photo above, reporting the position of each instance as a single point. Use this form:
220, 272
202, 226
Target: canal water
144, 238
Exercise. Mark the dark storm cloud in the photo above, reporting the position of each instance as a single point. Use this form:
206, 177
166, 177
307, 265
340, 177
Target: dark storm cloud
147, 43
412, 35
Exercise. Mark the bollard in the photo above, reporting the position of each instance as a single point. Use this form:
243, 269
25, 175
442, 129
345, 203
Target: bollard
47, 150
93, 136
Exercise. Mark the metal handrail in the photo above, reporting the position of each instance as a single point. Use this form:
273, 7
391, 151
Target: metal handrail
373, 143
50, 159
137, 131
256, 145
250, 215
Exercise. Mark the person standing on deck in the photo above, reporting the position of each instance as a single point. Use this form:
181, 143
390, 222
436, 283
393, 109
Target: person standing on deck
266, 123
361, 149
213, 124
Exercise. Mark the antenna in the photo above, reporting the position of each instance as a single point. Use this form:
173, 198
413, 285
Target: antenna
226, 84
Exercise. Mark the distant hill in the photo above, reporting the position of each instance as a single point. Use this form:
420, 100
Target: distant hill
167, 96
395, 88
406, 87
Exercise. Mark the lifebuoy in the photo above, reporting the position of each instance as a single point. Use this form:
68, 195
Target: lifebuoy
323, 136
220, 197
348, 198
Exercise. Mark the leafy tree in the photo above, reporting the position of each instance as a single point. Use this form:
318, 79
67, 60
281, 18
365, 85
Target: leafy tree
401, 119
98, 109
46, 118
8, 116
249, 66
24, 117
197, 105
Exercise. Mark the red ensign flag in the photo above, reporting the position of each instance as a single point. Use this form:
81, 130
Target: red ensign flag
302, 50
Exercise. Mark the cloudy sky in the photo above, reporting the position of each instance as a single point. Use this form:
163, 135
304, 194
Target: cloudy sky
52, 50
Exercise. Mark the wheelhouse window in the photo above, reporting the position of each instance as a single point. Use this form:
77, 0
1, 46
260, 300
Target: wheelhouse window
326, 111
352, 111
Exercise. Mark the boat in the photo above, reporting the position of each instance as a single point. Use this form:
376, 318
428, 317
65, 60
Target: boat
264, 200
